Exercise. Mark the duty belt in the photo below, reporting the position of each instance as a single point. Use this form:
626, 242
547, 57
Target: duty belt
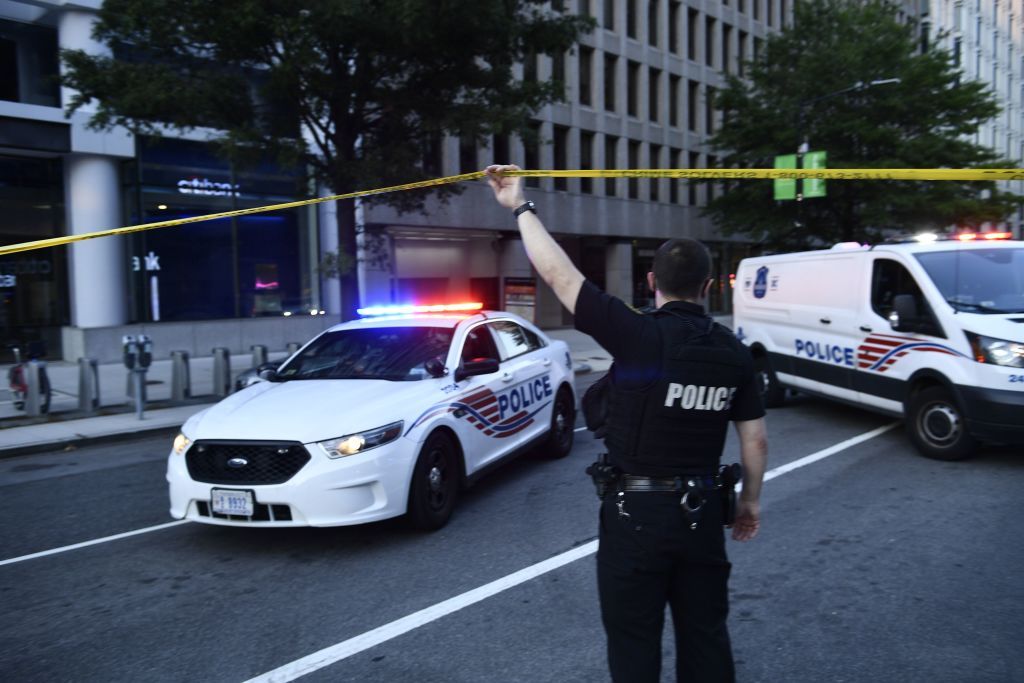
633, 482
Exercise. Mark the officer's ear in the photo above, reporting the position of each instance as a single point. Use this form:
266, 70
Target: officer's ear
706, 289
651, 283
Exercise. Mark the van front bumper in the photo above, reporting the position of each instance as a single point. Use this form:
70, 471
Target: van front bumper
994, 414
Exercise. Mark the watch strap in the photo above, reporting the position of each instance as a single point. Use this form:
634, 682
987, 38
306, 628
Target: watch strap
528, 206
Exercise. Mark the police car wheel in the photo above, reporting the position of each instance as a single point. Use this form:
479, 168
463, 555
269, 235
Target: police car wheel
563, 424
435, 483
937, 427
773, 394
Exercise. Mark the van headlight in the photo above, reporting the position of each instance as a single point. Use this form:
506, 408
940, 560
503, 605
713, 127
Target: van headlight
361, 441
996, 351
181, 443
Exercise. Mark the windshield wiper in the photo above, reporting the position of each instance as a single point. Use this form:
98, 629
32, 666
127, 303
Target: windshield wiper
980, 308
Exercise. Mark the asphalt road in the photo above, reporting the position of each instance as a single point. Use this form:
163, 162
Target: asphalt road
873, 564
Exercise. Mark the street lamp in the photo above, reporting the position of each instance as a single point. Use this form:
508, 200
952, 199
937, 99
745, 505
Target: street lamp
801, 139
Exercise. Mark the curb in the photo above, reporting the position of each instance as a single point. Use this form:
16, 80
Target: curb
82, 440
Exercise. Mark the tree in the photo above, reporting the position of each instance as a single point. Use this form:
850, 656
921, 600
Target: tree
359, 91
924, 121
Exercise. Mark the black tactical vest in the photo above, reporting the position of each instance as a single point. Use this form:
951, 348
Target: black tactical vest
676, 422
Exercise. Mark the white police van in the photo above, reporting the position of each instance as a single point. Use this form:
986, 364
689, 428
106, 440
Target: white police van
929, 328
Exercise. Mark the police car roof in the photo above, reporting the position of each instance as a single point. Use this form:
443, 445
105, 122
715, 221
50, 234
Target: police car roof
420, 320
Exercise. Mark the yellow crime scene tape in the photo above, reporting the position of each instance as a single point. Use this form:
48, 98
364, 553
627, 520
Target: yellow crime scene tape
987, 174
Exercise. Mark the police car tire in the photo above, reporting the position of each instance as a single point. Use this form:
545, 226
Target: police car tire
563, 424
772, 392
435, 483
936, 425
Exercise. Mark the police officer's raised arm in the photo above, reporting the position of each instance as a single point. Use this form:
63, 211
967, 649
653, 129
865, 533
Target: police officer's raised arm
552, 263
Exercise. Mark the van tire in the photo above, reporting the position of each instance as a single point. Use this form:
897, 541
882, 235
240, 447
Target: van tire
936, 425
773, 394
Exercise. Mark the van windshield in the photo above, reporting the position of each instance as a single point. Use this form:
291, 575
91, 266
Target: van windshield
978, 280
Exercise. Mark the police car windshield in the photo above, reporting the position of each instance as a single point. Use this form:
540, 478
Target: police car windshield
978, 280
396, 354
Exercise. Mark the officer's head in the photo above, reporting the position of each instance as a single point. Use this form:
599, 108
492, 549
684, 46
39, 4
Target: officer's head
681, 270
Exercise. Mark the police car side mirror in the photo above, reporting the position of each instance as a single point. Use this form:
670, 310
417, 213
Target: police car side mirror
268, 372
477, 366
435, 367
904, 316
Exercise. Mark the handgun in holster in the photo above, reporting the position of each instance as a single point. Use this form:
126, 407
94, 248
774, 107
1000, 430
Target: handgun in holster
728, 477
604, 474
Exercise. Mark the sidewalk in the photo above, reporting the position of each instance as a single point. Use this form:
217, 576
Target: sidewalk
66, 425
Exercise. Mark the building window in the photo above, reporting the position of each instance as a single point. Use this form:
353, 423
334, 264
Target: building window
692, 100
633, 184
652, 22
586, 58
709, 110
631, 18
673, 100
560, 149
586, 160
692, 185
769, 12
29, 66
632, 88
757, 48
653, 93
558, 73
467, 154
609, 14
709, 41
692, 27
500, 153
611, 63
611, 161
726, 54
676, 158
531, 152
530, 67
585, 8
673, 27
741, 54
655, 163
757, 9
712, 187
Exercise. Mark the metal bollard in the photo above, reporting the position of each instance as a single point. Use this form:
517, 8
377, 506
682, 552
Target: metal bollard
221, 371
292, 347
259, 354
33, 396
181, 377
88, 385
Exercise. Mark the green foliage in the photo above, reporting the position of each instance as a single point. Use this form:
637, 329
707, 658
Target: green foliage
924, 121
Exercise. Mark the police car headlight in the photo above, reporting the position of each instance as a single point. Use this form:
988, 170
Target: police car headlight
996, 351
181, 444
362, 441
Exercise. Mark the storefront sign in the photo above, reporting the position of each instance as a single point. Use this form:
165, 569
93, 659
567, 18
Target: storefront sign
152, 262
521, 296
207, 187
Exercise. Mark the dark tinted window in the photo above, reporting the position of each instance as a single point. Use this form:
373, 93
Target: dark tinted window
978, 280
389, 353
514, 340
890, 279
479, 344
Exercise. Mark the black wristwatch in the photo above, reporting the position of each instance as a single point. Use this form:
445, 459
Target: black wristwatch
528, 206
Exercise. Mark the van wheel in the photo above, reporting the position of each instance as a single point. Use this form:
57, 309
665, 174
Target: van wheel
435, 483
937, 427
563, 423
773, 394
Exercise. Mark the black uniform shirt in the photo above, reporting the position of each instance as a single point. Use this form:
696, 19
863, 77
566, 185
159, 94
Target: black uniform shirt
633, 340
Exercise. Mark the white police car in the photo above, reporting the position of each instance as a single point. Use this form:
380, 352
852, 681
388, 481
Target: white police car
375, 418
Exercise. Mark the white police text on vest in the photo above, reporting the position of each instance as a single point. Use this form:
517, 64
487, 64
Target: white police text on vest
699, 397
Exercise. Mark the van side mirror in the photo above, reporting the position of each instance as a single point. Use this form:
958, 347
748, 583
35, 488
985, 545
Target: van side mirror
904, 315
477, 366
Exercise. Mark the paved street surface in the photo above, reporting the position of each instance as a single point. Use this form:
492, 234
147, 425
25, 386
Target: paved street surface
873, 564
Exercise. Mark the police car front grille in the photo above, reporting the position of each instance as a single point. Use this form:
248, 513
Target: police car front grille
260, 513
243, 463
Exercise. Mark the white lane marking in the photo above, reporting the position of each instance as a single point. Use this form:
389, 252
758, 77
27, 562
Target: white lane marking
355, 645
95, 541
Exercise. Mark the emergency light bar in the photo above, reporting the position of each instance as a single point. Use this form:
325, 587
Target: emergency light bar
401, 309
968, 236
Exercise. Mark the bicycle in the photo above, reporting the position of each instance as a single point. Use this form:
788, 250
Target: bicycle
18, 382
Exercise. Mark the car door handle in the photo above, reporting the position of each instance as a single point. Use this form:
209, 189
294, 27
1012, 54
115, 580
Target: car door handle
547, 362
825, 321
506, 377
865, 328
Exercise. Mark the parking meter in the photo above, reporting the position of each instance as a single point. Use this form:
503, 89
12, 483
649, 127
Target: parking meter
131, 351
145, 345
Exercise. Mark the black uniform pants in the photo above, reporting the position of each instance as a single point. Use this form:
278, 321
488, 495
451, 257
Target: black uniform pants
651, 559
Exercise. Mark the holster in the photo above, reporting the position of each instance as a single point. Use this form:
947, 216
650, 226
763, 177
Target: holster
604, 475
728, 477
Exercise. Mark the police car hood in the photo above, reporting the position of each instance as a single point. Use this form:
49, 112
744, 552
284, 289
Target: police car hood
308, 410
1009, 326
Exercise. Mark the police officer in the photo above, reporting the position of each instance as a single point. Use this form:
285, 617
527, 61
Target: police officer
678, 380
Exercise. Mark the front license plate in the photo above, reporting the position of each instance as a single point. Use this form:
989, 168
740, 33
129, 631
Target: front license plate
229, 502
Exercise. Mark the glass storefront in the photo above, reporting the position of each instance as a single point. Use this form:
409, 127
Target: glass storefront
247, 266
33, 284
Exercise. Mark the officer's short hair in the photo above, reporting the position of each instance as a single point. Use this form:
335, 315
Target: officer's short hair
681, 266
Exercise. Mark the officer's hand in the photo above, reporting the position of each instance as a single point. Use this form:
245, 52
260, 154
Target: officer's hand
507, 190
748, 520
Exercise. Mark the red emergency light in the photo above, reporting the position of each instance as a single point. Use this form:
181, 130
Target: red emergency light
409, 309
969, 236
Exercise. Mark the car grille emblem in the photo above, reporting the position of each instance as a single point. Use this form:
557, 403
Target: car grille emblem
237, 463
